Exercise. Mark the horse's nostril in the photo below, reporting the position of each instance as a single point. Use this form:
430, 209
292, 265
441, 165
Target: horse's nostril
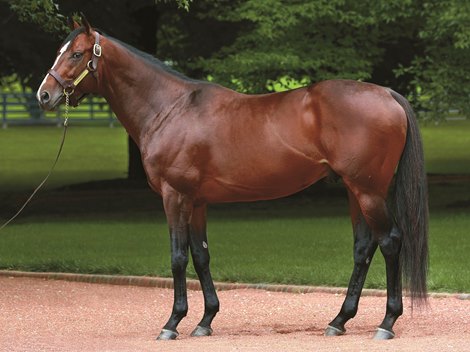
45, 97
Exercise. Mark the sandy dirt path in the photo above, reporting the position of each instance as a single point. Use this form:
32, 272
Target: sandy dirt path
47, 315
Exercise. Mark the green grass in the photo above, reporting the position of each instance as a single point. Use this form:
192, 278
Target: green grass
89, 153
304, 240
315, 250
447, 147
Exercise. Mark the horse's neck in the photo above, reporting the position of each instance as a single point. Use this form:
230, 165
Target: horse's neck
136, 90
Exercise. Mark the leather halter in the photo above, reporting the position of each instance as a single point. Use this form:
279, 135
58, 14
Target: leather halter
69, 85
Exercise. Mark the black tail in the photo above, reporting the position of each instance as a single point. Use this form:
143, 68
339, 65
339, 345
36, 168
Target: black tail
410, 205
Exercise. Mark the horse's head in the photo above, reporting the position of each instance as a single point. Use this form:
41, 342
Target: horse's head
69, 75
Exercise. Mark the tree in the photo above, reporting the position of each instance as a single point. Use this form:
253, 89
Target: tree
419, 48
30, 31
442, 73
268, 40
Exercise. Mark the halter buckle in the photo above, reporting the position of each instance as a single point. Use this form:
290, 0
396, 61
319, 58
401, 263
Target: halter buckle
69, 91
97, 50
90, 67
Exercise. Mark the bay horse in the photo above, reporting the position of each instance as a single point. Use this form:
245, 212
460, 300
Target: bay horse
202, 143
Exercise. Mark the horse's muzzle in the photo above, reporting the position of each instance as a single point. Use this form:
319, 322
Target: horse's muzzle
49, 101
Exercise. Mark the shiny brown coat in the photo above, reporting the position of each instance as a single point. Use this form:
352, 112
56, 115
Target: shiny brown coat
202, 143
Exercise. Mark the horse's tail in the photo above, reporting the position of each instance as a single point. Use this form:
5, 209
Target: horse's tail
410, 206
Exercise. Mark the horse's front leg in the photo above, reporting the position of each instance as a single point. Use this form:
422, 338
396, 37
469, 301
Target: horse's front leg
178, 210
201, 259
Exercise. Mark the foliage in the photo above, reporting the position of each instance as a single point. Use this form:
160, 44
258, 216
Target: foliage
286, 83
32, 31
44, 13
443, 71
184, 4
268, 40
24, 45
420, 48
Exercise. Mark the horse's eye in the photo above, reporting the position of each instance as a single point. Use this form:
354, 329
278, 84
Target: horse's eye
77, 55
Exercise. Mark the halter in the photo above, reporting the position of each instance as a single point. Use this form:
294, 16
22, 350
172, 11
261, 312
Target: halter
70, 84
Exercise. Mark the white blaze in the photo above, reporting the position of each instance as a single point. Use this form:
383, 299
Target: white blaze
61, 52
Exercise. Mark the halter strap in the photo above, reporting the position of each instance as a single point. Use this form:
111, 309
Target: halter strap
96, 53
66, 84
70, 85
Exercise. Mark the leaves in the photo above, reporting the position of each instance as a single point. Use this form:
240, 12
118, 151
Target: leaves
420, 48
442, 73
275, 38
44, 13
412, 46
183, 4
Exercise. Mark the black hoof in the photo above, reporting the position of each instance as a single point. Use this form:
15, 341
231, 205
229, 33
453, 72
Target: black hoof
167, 335
201, 331
383, 334
332, 331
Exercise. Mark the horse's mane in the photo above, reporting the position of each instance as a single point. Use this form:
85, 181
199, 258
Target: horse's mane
151, 60
145, 56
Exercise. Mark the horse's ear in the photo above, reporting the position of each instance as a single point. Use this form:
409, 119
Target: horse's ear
72, 23
85, 23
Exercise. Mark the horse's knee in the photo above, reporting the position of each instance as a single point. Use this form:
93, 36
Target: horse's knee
201, 259
179, 262
201, 264
363, 251
390, 245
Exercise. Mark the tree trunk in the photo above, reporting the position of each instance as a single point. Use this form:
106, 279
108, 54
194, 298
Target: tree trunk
135, 169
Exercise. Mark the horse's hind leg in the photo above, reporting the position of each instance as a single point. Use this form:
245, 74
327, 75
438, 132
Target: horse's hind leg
390, 246
201, 258
364, 249
374, 209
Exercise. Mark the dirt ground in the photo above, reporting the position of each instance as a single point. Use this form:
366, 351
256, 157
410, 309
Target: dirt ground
47, 315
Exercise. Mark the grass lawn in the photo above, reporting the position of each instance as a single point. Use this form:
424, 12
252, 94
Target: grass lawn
90, 153
447, 147
315, 250
300, 240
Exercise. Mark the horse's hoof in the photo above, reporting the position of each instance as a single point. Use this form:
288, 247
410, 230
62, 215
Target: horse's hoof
383, 334
201, 331
167, 335
332, 331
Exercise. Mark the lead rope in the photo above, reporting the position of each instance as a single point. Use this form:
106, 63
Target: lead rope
66, 118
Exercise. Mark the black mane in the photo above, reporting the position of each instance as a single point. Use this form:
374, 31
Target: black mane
147, 57
152, 60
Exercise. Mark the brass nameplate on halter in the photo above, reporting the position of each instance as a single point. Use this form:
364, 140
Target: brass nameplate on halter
80, 77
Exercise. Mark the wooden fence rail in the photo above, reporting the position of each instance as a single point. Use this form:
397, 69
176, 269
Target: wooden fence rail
23, 109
